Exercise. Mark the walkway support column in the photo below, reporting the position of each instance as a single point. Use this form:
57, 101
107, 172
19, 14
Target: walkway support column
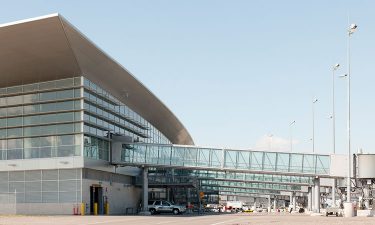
255, 204
317, 195
294, 202
145, 192
275, 204
309, 198
269, 204
334, 184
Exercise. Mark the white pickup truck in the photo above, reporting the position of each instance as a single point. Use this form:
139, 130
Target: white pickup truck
162, 206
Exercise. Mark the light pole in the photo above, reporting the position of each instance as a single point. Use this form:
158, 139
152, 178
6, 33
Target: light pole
291, 136
270, 141
313, 124
352, 28
335, 67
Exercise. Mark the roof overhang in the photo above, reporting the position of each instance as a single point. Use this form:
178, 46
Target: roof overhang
47, 48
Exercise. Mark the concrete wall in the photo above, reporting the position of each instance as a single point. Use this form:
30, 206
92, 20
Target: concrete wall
120, 196
42, 163
37, 208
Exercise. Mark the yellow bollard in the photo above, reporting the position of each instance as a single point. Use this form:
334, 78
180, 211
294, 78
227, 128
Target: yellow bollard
107, 208
95, 208
82, 209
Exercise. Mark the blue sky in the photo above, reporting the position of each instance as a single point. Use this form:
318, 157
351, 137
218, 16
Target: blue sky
235, 72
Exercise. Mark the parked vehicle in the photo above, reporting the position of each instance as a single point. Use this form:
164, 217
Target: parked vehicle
162, 206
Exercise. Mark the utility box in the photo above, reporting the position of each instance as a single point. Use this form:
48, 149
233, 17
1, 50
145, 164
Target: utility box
366, 166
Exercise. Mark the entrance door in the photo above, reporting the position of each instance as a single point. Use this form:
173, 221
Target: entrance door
96, 196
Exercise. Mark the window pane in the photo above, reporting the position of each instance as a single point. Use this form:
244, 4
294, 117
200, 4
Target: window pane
13, 111
15, 89
31, 142
45, 152
65, 94
14, 154
66, 151
47, 96
30, 153
3, 133
47, 141
3, 112
3, 144
48, 118
31, 98
77, 81
64, 128
14, 100
65, 140
30, 87
14, 132
77, 93
62, 117
29, 120
47, 85
46, 130
64, 105
31, 109
48, 107
3, 122
16, 121
15, 143
31, 131
3, 101
65, 82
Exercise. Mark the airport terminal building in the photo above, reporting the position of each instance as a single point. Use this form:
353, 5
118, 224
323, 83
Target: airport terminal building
79, 133
62, 103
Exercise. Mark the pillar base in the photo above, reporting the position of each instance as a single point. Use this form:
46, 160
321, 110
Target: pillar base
348, 209
145, 213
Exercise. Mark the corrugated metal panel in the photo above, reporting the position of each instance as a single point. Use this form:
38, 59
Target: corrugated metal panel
66, 197
18, 186
49, 174
3, 176
33, 186
70, 185
33, 197
4, 187
50, 197
49, 186
68, 174
33, 175
17, 176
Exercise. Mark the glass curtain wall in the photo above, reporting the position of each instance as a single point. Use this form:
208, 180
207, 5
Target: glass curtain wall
41, 120
103, 113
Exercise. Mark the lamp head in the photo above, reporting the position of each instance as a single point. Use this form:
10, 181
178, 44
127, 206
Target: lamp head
336, 66
352, 28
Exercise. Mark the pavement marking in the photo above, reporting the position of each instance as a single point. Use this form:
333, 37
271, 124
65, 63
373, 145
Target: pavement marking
110, 221
226, 221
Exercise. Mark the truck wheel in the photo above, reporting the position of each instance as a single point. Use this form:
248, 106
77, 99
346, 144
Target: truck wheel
152, 211
176, 211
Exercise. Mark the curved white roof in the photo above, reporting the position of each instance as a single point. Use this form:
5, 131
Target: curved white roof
48, 48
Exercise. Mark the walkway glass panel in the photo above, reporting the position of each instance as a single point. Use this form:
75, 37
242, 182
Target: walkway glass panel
230, 160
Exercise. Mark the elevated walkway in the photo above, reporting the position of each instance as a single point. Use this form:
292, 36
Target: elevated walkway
221, 160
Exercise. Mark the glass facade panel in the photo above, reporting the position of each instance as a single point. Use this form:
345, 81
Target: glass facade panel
32, 125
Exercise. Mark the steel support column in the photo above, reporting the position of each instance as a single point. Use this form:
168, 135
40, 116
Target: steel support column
334, 181
316, 195
309, 199
145, 189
